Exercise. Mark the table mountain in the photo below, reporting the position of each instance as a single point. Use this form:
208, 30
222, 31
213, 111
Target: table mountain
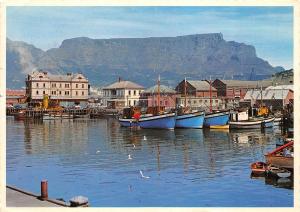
141, 59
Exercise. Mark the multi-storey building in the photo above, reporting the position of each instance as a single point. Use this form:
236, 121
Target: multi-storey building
122, 94
69, 88
199, 95
167, 97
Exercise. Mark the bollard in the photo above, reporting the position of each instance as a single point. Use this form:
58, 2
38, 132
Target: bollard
44, 189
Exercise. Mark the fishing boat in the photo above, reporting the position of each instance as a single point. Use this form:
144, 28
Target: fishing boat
186, 118
278, 172
21, 115
155, 118
252, 123
282, 156
216, 120
162, 121
190, 120
259, 168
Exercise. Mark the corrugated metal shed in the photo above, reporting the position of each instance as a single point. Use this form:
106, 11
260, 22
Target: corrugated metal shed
266, 94
281, 87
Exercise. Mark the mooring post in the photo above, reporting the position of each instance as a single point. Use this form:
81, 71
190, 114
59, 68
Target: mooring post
44, 189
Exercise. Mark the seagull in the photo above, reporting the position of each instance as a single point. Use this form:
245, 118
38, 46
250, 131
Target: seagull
98, 151
129, 157
143, 175
145, 139
133, 146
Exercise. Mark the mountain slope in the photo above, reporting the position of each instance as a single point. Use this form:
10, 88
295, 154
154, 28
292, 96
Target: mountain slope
142, 59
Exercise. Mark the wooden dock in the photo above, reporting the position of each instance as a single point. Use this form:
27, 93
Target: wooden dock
19, 198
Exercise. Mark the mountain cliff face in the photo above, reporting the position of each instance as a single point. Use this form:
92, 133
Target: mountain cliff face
142, 59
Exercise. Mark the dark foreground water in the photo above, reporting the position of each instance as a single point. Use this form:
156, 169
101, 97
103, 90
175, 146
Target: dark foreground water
186, 167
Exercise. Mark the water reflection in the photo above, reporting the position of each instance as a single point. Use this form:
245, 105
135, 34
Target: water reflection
95, 153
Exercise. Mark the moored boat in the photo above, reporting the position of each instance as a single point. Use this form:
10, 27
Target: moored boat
252, 124
282, 156
216, 119
190, 120
259, 167
163, 121
21, 115
278, 172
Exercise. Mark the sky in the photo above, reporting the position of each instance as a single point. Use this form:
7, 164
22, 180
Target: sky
268, 29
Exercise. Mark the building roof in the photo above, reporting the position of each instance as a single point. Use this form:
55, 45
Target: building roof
281, 87
245, 83
58, 77
266, 94
163, 89
124, 85
201, 85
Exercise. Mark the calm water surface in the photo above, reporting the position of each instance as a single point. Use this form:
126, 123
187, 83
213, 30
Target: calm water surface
187, 167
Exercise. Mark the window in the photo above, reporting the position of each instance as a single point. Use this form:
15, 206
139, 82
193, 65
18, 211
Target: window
216, 101
37, 92
205, 100
134, 102
44, 92
76, 93
54, 92
67, 93
60, 85
82, 85
44, 85
37, 85
76, 85
129, 92
195, 102
134, 92
59, 92
129, 102
66, 85
82, 93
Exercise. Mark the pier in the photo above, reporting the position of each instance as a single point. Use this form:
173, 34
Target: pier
16, 197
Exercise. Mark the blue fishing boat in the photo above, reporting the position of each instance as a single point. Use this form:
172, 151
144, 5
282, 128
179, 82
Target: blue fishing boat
216, 120
190, 120
163, 121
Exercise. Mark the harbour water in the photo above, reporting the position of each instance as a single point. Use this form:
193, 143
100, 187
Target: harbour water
186, 167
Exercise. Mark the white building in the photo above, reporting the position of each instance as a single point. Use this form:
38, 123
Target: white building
122, 94
72, 88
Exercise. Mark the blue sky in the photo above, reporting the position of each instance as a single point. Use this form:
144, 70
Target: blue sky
269, 29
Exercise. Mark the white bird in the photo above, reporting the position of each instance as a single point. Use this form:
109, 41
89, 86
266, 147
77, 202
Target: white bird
98, 151
143, 175
145, 139
129, 157
133, 146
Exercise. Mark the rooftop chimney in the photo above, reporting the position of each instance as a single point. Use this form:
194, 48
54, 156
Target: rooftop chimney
69, 74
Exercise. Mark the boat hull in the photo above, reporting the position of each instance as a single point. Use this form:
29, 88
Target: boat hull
165, 121
216, 119
280, 161
266, 123
190, 120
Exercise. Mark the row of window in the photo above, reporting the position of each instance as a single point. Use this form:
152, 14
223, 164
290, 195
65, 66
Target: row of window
67, 93
134, 92
200, 101
53, 85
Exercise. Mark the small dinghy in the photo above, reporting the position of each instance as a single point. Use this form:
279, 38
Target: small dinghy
259, 167
278, 172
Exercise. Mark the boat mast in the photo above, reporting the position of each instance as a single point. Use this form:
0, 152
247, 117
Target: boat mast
185, 92
261, 103
158, 93
210, 95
